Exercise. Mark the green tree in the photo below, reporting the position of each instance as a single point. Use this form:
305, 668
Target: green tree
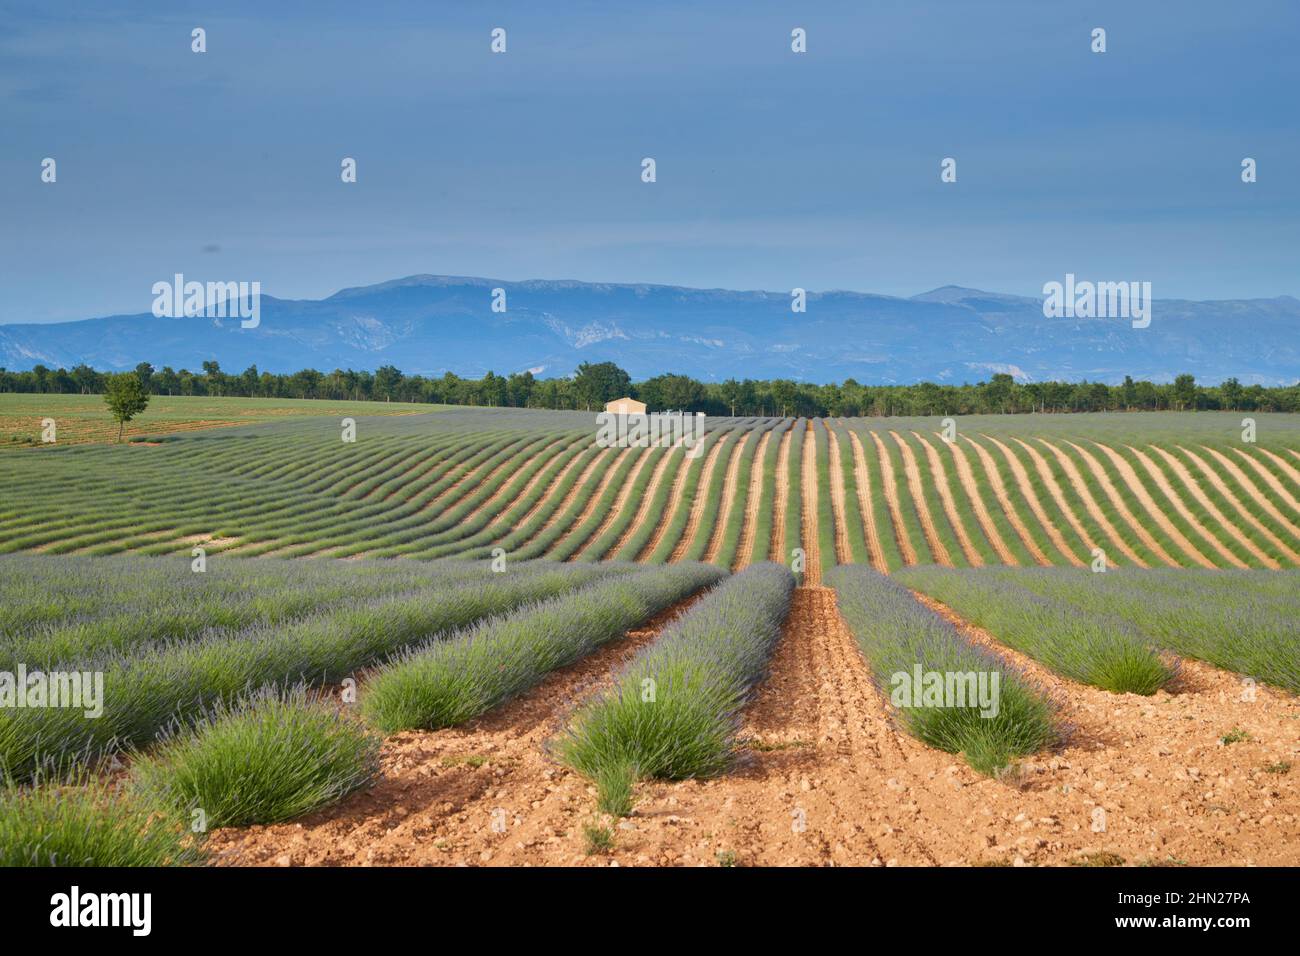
125, 397
1184, 391
596, 384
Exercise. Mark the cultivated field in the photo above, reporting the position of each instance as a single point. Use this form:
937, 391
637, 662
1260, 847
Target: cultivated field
590, 655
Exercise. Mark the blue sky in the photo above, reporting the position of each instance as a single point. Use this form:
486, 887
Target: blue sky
775, 170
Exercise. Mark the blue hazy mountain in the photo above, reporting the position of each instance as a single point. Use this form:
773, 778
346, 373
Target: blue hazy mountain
433, 324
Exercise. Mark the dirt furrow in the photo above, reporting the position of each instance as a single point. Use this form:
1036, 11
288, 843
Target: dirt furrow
863, 476
729, 487
620, 500
839, 504
940, 475
1221, 486
1286, 467
1130, 477
647, 500
1270, 479
1031, 498
966, 475
597, 461
913, 475
892, 501
808, 524
746, 544
1143, 533
1003, 499
1176, 500
701, 495
1246, 482
1180, 471
1090, 505
1054, 489
781, 498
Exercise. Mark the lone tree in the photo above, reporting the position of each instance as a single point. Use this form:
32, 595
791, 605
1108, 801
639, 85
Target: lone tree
125, 397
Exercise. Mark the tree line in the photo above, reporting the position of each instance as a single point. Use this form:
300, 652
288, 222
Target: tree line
593, 384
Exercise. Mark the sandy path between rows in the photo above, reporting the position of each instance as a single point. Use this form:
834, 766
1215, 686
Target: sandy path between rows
1117, 501
752, 499
593, 500
647, 500
1175, 499
781, 498
811, 540
1245, 481
827, 779
913, 475
1003, 499
940, 475
1183, 475
966, 475
1058, 495
730, 485
567, 501
1270, 479
839, 500
1021, 475
701, 495
863, 477
1130, 476
620, 500
1090, 505
1227, 493
495, 503
895, 507
1285, 466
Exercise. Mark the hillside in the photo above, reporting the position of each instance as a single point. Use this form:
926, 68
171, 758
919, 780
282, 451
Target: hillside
431, 324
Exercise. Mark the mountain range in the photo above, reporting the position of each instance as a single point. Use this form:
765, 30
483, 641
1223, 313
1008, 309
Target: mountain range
429, 325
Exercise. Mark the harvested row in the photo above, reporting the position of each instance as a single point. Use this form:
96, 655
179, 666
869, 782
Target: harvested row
448, 682
947, 693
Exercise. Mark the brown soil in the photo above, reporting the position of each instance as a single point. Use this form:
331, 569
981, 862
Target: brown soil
966, 475
913, 475
599, 460
1117, 501
1195, 490
839, 505
701, 496
940, 475
1230, 496
1283, 465
1094, 510
1054, 489
1004, 501
811, 541
752, 499
1239, 476
620, 500
643, 509
1130, 476
1176, 500
1031, 498
891, 500
827, 779
863, 476
593, 501
1270, 479
730, 485
781, 498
